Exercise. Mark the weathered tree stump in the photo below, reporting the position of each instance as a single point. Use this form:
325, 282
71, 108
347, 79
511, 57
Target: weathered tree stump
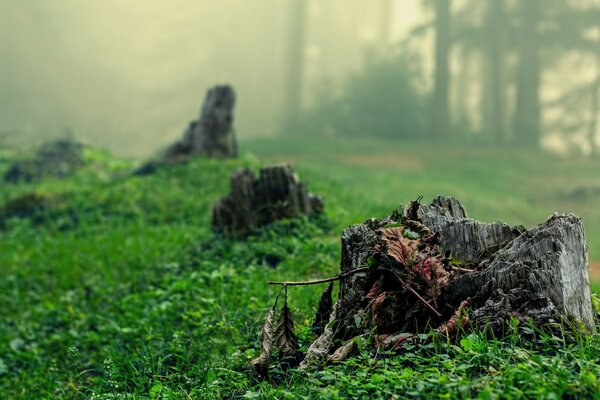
433, 268
57, 159
276, 194
212, 133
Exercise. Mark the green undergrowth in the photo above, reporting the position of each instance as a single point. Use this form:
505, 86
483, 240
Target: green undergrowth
116, 288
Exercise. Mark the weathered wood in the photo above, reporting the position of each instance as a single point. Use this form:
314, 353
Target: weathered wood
467, 239
504, 272
276, 193
212, 134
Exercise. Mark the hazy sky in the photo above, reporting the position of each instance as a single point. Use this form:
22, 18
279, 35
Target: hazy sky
131, 74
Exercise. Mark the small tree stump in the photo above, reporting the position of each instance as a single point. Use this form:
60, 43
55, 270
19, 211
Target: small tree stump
212, 133
276, 194
59, 158
428, 266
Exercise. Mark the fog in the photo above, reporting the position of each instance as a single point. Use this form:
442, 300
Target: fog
130, 75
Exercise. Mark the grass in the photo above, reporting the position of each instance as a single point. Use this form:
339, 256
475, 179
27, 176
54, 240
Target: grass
117, 288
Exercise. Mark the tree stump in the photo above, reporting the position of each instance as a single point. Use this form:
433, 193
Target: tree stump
58, 159
276, 194
212, 134
432, 267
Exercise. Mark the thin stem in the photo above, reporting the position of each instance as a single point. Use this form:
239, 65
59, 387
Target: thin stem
454, 267
317, 281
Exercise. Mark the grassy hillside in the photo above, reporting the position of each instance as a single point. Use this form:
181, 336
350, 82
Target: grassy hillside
114, 286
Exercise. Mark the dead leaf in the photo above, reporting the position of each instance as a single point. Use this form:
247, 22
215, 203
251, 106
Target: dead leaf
401, 249
459, 318
319, 349
343, 352
287, 343
377, 288
260, 365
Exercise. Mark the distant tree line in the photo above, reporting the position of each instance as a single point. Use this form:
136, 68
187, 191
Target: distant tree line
497, 51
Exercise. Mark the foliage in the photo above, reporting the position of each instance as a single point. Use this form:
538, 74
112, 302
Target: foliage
138, 299
383, 100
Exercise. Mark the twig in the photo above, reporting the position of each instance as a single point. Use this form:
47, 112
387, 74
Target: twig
413, 291
454, 267
317, 281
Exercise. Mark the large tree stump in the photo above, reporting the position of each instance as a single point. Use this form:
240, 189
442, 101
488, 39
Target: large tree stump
276, 194
212, 133
432, 267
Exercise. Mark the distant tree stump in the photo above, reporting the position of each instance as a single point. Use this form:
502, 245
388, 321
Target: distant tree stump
212, 134
276, 194
59, 158
433, 268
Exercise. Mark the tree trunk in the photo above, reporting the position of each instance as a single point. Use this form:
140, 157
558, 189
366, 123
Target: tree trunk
415, 282
212, 134
493, 109
295, 62
527, 113
276, 194
385, 33
594, 108
440, 113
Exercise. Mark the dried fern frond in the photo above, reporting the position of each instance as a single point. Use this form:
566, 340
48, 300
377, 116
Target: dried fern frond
260, 365
286, 340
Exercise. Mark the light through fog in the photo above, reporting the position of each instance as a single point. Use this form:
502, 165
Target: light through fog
129, 75
133, 73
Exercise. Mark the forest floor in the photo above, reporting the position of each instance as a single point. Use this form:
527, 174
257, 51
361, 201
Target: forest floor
114, 287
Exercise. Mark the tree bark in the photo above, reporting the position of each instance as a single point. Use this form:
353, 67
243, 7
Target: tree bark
495, 271
276, 193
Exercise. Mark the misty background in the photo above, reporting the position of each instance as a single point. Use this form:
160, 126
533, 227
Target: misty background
130, 75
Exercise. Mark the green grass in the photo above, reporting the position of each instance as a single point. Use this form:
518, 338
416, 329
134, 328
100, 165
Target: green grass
118, 288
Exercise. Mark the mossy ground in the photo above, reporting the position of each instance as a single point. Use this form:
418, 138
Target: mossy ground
119, 289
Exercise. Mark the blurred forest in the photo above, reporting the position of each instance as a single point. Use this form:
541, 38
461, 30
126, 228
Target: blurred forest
130, 75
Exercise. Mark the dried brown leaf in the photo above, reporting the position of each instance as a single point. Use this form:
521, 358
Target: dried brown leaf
376, 289
260, 365
393, 342
343, 352
459, 318
324, 310
286, 340
321, 346
401, 249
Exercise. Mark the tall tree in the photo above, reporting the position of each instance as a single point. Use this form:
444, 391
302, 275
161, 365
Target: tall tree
385, 24
295, 61
440, 111
526, 122
494, 28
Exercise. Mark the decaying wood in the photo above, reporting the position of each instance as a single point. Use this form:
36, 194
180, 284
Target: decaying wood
212, 133
276, 193
539, 275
